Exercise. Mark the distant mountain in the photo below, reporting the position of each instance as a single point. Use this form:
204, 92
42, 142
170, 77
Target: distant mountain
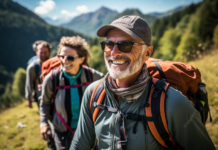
148, 18
170, 12
19, 28
55, 22
89, 23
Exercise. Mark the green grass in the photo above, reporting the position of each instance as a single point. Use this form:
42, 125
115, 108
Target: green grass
21, 139
208, 66
29, 138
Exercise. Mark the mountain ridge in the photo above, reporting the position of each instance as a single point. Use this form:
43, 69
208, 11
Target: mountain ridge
88, 22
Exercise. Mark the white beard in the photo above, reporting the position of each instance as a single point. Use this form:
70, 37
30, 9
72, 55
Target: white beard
116, 73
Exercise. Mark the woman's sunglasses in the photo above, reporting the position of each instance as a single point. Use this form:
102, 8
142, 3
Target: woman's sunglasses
69, 58
123, 46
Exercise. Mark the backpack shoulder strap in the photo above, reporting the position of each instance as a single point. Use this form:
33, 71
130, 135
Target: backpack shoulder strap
160, 69
156, 109
55, 74
88, 73
97, 96
36, 66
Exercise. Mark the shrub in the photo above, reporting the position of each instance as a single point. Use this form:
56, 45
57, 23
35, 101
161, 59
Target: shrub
215, 36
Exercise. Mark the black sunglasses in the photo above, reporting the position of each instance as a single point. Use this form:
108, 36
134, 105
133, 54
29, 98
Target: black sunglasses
123, 46
69, 58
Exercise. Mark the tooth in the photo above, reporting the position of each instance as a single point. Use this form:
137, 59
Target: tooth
118, 62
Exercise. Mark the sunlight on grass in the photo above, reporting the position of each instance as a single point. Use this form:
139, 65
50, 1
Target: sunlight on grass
27, 138
208, 67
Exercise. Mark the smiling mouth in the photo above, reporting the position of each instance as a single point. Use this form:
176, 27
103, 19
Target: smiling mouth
117, 62
67, 66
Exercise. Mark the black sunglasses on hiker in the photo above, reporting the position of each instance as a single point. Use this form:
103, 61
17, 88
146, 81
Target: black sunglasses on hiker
123, 46
69, 58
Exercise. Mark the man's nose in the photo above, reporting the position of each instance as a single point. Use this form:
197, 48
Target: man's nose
115, 51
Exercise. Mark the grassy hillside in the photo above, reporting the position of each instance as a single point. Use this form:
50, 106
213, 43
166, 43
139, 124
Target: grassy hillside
29, 137
208, 67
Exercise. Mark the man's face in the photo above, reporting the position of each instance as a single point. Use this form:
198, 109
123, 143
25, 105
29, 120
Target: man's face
43, 52
121, 65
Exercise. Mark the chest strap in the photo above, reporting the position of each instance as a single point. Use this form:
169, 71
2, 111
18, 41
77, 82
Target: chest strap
120, 117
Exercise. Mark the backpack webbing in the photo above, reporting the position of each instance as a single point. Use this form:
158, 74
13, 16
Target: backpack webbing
155, 104
36, 67
55, 77
158, 127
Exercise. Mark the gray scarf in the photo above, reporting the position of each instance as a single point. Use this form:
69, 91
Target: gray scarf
132, 93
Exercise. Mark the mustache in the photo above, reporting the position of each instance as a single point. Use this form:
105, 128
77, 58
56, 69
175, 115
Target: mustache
118, 58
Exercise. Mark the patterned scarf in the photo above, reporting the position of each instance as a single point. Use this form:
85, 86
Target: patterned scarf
132, 93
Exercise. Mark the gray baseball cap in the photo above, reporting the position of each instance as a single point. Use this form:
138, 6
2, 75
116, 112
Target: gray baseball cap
132, 25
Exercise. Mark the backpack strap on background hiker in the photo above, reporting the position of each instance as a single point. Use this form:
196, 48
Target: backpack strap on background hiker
158, 127
88, 73
55, 75
36, 66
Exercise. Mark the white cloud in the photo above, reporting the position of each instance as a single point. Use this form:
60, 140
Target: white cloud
45, 7
69, 14
82, 9
54, 18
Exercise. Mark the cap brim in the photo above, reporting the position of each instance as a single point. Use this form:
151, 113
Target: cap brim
102, 32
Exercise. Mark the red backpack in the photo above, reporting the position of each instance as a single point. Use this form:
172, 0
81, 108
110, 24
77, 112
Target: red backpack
183, 77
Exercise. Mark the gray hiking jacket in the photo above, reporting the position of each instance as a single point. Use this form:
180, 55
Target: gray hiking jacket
183, 120
32, 80
60, 99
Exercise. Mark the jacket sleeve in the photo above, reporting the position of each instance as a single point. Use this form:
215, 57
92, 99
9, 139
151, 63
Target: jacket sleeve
30, 78
46, 99
84, 137
184, 123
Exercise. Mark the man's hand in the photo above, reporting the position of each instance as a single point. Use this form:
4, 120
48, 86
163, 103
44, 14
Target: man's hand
29, 103
44, 133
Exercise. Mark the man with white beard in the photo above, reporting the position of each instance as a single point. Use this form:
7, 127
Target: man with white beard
119, 120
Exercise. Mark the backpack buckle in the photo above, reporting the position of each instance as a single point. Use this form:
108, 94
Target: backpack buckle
122, 142
155, 93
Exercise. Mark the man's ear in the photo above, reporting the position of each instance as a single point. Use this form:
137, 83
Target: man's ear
147, 53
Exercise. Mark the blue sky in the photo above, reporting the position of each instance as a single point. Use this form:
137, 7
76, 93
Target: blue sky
67, 9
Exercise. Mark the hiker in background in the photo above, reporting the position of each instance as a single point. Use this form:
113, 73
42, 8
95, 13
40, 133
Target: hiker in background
35, 44
123, 119
68, 83
33, 71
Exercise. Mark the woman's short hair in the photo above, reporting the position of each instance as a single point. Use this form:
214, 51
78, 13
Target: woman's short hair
77, 43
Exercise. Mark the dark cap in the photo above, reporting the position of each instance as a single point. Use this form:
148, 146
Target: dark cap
132, 25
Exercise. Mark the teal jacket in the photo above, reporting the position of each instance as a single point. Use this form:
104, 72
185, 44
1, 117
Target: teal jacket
184, 123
